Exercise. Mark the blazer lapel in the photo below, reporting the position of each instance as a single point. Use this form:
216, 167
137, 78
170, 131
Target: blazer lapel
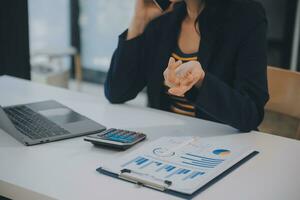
169, 35
210, 25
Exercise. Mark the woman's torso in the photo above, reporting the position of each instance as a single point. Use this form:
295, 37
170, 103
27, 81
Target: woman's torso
186, 50
222, 35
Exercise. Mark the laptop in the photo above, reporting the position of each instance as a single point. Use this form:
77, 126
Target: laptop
46, 121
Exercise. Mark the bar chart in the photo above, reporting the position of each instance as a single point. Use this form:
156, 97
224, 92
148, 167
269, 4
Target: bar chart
162, 169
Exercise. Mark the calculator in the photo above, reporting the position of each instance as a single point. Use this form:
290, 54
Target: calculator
116, 138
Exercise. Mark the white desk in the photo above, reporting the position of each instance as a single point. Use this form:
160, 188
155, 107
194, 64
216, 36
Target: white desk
66, 169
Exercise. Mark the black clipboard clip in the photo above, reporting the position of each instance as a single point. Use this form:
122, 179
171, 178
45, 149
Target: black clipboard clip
135, 177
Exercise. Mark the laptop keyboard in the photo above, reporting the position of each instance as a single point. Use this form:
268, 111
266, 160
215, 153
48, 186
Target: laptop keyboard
32, 124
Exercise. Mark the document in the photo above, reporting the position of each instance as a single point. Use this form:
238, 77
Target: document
182, 164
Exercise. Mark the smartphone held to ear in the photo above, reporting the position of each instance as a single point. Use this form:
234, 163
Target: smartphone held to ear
162, 4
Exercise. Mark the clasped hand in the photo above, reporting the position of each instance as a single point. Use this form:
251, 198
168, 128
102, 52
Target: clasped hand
181, 77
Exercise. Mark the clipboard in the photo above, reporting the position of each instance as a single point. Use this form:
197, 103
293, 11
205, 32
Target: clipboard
164, 185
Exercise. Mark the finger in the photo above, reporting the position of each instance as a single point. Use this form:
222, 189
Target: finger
165, 74
170, 85
174, 65
171, 81
175, 93
179, 91
188, 80
183, 70
198, 76
171, 61
198, 81
173, 78
171, 75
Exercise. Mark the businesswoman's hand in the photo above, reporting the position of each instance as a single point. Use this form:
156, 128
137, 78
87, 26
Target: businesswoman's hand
144, 12
171, 80
181, 78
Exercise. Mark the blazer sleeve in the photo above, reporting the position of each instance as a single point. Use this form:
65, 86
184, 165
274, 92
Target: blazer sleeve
127, 73
240, 105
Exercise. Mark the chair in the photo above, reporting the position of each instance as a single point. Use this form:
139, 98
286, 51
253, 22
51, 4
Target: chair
282, 112
57, 55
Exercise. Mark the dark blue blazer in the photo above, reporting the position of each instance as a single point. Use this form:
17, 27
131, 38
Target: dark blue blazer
232, 52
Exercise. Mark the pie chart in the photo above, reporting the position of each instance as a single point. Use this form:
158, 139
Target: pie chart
163, 152
221, 152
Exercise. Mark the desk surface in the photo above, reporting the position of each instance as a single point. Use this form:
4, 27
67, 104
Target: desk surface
66, 169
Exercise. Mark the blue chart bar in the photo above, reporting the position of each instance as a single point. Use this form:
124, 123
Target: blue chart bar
170, 168
197, 165
173, 173
160, 168
196, 174
205, 158
179, 172
141, 161
149, 163
183, 171
200, 161
131, 161
193, 175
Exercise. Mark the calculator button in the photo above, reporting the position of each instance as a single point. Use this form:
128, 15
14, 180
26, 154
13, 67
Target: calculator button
133, 135
114, 137
110, 130
105, 132
119, 133
113, 132
130, 138
118, 139
126, 135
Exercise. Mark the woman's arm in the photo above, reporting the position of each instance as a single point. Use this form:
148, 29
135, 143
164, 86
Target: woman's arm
127, 73
144, 12
125, 78
241, 106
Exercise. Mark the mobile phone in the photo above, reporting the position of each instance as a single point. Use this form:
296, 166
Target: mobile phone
162, 4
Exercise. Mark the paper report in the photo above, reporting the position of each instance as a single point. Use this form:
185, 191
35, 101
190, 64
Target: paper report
188, 163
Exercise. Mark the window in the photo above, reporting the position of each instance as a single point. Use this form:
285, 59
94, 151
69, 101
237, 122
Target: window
49, 24
101, 21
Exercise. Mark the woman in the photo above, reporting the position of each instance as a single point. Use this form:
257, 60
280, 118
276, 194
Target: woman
203, 58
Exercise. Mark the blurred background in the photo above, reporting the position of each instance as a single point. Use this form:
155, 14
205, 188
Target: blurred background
69, 43
59, 30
